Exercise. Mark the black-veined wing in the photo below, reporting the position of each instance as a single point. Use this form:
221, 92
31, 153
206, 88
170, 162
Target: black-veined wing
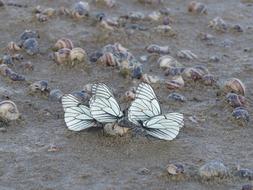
101, 90
69, 100
164, 126
103, 106
144, 106
76, 116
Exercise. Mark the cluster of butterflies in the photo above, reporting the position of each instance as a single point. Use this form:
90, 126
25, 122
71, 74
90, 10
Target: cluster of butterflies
144, 112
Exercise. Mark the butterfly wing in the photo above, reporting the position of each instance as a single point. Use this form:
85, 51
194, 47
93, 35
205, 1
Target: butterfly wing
164, 126
69, 100
144, 106
76, 116
103, 106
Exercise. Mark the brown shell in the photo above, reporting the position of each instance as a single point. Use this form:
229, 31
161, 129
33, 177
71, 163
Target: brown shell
177, 82
12, 46
108, 59
234, 85
63, 43
77, 55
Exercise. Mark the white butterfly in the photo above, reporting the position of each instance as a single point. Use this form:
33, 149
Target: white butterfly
103, 106
145, 111
76, 116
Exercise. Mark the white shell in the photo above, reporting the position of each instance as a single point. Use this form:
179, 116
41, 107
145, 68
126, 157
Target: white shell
8, 110
167, 61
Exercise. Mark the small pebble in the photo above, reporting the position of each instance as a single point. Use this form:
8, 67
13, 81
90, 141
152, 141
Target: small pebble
186, 54
177, 97
241, 115
213, 169
55, 95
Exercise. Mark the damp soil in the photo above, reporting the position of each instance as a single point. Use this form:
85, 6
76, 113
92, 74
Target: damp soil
91, 160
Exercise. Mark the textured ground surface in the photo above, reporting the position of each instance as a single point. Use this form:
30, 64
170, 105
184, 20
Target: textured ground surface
89, 160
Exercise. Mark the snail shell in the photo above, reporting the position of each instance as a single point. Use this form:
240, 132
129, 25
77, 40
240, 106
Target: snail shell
62, 56
196, 7
77, 55
64, 11
153, 48
8, 111
41, 17
115, 129
186, 54
234, 85
108, 59
209, 80
3, 69
218, 24
80, 10
154, 16
31, 46
12, 46
242, 115
114, 48
150, 79
49, 12
177, 82
63, 43
235, 100
175, 169
41, 86
167, 61
192, 73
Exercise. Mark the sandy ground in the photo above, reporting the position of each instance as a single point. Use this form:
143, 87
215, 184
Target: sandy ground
90, 160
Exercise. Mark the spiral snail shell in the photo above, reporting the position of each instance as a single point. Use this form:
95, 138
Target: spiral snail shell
235, 100
63, 43
108, 59
176, 82
12, 46
234, 85
39, 86
150, 79
167, 61
77, 55
8, 111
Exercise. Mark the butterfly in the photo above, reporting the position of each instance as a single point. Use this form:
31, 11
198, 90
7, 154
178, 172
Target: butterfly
145, 111
76, 115
103, 105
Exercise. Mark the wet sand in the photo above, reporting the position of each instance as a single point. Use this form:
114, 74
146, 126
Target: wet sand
90, 160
